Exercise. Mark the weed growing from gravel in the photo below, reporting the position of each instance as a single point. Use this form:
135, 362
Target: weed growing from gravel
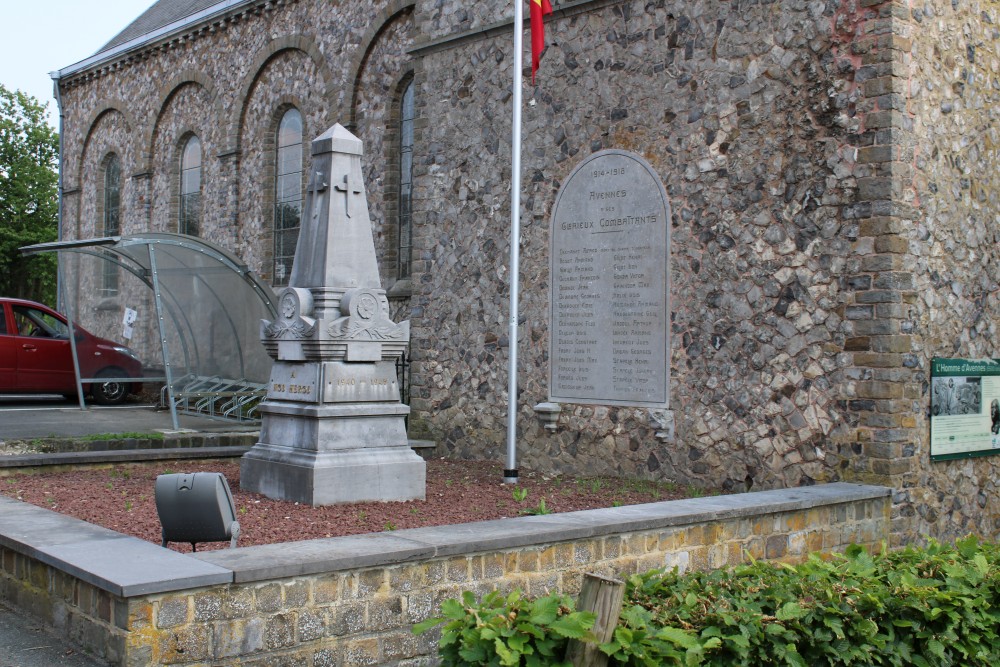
538, 509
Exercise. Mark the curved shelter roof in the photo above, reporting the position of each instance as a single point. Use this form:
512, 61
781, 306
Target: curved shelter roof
207, 304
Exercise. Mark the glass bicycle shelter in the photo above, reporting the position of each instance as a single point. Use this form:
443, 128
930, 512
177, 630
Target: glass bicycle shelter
188, 309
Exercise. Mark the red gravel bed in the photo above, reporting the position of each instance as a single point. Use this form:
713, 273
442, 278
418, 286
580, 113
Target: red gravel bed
122, 499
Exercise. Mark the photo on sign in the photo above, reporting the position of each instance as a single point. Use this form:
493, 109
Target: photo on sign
964, 408
957, 396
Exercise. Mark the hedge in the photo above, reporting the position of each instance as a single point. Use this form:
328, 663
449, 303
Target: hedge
933, 606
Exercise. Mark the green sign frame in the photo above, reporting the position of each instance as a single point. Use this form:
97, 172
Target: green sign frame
965, 408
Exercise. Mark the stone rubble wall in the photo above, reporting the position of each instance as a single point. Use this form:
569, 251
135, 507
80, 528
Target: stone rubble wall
829, 165
81, 612
954, 100
759, 239
289, 78
227, 84
375, 110
364, 616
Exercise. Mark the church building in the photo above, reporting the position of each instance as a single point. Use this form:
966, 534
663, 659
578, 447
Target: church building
830, 167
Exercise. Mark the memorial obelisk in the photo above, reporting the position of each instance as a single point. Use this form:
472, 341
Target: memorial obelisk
333, 428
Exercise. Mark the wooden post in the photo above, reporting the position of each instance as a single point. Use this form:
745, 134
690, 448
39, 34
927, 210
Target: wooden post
604, 597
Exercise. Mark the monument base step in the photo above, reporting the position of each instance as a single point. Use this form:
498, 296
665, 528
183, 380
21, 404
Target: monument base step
334, 477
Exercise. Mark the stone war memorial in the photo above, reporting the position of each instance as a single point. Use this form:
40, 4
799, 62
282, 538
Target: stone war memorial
609, 261
333, 427
801, 222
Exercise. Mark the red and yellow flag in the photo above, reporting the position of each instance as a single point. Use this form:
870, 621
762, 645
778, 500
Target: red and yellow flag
539, 9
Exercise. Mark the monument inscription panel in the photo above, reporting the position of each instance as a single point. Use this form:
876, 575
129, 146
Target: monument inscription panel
609, 339
333, 382
294, 382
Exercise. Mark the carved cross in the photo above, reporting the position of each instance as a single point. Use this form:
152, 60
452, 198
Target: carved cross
350, 186
317, 186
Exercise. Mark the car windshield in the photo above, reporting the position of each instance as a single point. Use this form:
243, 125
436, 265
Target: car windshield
34, 322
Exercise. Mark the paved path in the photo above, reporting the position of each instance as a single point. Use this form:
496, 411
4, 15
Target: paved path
27, 643
23, 417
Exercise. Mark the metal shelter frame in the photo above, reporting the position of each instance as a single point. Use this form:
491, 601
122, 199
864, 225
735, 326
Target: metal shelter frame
137, 254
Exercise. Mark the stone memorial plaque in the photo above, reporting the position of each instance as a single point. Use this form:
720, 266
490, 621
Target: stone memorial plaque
609, 336
294, 382
351, 382
333, 382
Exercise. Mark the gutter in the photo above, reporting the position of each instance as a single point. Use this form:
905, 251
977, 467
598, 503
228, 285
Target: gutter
137, 43
57, 93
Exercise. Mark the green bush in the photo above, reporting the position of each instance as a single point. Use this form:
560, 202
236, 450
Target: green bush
935, 606
507, 631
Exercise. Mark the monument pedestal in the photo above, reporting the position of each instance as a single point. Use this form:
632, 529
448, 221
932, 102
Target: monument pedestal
342, 453
333, 427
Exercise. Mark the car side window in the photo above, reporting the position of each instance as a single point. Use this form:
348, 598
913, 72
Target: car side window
3, 320
38, 323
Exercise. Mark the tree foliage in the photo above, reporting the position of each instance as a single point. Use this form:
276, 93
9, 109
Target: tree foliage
29, 204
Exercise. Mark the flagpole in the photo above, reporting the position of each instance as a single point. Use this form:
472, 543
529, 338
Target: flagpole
510, 474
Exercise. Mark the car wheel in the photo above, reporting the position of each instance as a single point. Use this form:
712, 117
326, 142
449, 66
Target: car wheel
110, 393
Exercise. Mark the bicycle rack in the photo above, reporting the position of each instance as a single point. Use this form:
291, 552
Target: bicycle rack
217, 397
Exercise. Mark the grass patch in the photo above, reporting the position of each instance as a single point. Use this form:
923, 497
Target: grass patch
121, 436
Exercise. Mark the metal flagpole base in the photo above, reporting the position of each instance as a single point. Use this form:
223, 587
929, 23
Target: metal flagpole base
510, 476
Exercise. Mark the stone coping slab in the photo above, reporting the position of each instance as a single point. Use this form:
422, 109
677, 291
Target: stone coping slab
292, 559
122, 565
127, 566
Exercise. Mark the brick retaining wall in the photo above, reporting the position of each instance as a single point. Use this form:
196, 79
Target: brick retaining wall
353, 600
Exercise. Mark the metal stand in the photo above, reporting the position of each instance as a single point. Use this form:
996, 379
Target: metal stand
163, 337
510, 475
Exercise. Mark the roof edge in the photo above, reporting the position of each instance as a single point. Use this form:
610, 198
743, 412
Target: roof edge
103, 57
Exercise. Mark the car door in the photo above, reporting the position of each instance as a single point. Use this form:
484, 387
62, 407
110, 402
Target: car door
8, 352
44, 357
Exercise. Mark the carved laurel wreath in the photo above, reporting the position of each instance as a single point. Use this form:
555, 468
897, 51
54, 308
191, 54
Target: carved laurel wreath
295, 329
350, 328
366, 321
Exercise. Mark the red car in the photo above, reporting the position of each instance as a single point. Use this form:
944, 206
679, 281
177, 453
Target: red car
36, 358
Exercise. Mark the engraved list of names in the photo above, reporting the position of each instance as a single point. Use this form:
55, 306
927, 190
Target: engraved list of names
609, 340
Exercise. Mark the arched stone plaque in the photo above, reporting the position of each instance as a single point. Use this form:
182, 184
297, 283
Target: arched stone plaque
609, 300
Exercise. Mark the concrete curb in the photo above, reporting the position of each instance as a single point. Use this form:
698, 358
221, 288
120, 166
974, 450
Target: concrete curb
194, 446
120, 456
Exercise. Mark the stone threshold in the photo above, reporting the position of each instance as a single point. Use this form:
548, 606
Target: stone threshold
127, 566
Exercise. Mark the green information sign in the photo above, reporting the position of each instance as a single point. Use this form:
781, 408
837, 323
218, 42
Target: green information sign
965, 408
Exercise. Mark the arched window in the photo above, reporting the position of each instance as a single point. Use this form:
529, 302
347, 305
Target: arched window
405, 208
111, 218
287, 194
189, 218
